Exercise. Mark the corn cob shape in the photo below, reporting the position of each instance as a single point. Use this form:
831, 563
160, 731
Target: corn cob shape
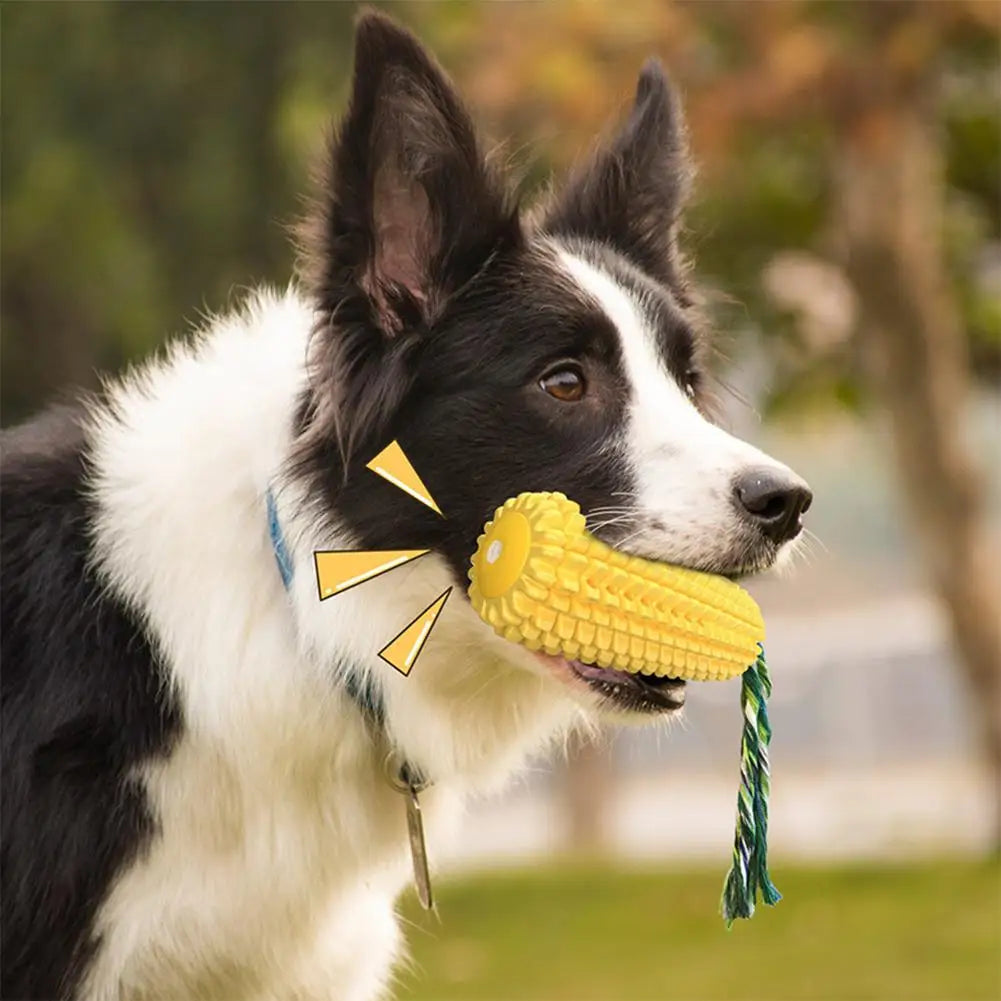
539, 578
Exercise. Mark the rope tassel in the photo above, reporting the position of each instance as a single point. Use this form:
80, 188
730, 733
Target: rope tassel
748, 875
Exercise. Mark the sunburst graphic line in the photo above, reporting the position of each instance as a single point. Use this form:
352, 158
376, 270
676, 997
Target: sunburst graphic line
403, 650
340, 570
393, 465
337, 570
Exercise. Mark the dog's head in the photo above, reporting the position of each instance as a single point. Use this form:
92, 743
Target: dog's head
509, 353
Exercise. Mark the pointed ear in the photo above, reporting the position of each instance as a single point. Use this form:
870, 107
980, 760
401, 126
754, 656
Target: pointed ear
411, 210
631, 192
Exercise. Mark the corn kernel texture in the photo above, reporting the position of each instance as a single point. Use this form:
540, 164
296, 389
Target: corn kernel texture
539, 578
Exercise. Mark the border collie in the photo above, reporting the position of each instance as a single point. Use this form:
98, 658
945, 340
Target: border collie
195, 799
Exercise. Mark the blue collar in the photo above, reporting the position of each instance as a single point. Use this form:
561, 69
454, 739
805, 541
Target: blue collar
282, 557
363, 691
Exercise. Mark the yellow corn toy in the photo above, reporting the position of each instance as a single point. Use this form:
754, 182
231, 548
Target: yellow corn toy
539, 578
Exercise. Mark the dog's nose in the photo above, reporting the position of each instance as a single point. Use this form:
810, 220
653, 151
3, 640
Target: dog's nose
776, 499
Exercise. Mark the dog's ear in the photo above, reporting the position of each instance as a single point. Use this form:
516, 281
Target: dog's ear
630, 193
410, 208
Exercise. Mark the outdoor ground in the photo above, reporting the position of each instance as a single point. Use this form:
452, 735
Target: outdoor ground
916, 933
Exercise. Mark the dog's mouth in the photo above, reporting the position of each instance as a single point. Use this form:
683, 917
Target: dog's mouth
620, 690
643, 693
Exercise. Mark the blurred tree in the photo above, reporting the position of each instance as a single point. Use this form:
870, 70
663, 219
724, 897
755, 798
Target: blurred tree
866, 137
586, 779
149, 170
890, 194
763, 84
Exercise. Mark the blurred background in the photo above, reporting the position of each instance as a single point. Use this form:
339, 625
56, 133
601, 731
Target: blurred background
847, 228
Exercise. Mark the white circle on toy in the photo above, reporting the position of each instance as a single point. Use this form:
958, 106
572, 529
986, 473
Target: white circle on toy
494, 551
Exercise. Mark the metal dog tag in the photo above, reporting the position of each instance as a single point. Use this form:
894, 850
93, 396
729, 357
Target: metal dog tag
418, 851
403, 780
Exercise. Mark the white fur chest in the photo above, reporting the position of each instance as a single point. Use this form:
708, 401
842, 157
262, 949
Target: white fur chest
271, 879
280, 846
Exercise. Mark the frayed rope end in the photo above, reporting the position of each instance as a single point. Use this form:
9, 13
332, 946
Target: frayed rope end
748, 875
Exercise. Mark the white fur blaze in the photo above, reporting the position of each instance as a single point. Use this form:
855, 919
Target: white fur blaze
683, 465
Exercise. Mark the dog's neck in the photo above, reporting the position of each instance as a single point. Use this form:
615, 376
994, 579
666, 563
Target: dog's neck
473, 707
361, 689
465, 713
260, 670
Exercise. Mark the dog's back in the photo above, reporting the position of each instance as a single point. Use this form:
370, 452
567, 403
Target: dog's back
175, 774
83, 701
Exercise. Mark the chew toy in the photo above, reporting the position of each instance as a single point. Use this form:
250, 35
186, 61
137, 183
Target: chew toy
540, 579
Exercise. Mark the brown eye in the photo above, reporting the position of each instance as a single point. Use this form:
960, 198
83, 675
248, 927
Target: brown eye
565, 383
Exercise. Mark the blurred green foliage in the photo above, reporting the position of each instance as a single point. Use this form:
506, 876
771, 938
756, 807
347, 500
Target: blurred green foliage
925, 932
151, 170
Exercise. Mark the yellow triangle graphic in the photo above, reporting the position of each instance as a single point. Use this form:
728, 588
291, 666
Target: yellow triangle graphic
336, 571
405, 649
393, 465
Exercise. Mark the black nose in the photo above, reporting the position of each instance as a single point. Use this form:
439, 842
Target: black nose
775, 498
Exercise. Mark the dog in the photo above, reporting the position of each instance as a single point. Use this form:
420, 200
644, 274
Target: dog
198, 796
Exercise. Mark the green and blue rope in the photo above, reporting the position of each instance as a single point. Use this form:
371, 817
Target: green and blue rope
748, 875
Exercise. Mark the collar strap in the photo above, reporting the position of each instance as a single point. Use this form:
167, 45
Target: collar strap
282, 557
362, 690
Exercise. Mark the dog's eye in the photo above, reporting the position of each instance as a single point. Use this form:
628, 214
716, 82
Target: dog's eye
565, 383
691, 383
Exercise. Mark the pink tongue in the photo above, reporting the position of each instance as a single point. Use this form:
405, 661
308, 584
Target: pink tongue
592, 671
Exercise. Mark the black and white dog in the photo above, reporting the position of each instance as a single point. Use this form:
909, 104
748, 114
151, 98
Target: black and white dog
195, 802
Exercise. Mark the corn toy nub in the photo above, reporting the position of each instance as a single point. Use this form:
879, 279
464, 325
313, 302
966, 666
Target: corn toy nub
540, 579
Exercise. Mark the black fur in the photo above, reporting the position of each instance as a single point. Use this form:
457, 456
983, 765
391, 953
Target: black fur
630, 194
441, 310
409, 214
83, 703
